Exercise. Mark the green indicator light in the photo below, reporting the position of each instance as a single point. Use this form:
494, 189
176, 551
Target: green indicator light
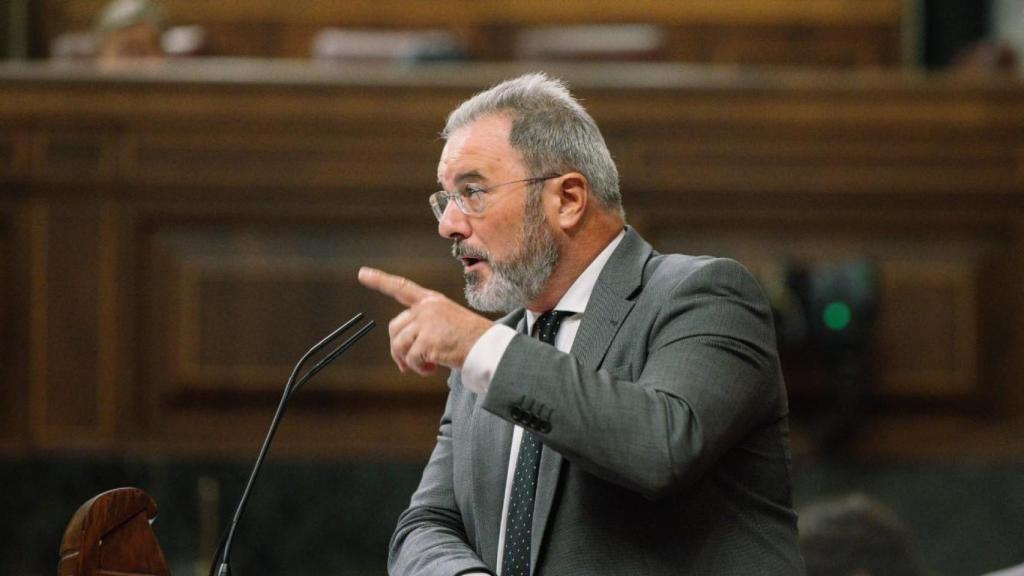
837, 315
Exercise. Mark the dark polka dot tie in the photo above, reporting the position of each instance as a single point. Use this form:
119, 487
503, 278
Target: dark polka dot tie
519, 522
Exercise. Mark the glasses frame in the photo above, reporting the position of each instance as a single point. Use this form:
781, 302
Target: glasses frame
461, 201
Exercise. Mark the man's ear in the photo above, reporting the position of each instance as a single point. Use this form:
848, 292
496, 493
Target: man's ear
573, 195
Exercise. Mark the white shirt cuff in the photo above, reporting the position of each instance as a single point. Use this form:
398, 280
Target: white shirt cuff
484, 356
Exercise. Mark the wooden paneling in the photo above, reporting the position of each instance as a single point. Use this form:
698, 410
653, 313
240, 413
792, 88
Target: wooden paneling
232, 304
7, 156
72, 157
10, 389
828, 145
175, 239
404, 12
353, 157
70, 400
843, 46
808, 32
927, 342
929, 309
12, 156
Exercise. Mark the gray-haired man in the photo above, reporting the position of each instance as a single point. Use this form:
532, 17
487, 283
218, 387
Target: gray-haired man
644, 432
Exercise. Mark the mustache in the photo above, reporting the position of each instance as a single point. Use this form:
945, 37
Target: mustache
460, 250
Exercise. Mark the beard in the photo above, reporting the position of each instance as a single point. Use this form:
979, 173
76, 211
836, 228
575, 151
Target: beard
517, 280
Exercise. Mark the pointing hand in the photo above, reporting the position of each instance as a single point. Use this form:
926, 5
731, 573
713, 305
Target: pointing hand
432, 330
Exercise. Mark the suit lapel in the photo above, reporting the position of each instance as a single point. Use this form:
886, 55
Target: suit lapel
609, 304
612, 299
605, 314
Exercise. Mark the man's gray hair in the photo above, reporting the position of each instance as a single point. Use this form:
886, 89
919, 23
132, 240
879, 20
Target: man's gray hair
550, 129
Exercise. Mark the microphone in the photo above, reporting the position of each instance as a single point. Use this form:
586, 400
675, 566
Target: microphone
223, 552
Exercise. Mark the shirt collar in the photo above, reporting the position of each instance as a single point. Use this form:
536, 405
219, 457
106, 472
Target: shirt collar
576, 297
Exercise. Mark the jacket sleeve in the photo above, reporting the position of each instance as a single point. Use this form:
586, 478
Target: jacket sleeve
430, 538
709, 375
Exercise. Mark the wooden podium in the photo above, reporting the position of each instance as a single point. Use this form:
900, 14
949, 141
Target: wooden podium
110, 535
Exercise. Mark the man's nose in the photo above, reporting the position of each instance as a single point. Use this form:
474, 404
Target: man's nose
453, 223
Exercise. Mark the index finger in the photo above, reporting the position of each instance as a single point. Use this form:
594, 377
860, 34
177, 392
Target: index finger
403, 290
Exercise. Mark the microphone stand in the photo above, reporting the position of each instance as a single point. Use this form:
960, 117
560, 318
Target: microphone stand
223, 552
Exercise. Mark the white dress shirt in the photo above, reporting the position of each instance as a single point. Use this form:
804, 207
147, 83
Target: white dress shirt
486, 354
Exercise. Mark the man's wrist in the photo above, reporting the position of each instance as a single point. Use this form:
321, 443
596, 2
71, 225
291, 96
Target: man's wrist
483, 358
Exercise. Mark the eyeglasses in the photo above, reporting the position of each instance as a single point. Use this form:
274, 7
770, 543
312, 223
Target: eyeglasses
470, 198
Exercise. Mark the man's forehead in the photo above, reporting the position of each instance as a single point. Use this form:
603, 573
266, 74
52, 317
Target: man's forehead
476, 149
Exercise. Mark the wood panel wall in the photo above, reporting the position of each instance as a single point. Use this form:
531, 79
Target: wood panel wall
807, 32
9, 420
172, 239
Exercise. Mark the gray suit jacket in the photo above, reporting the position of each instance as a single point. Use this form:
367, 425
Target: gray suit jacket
664, 431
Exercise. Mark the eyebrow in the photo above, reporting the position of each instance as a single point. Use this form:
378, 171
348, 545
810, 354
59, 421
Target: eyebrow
472, 175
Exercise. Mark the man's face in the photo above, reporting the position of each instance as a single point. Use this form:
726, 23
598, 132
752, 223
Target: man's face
509, 251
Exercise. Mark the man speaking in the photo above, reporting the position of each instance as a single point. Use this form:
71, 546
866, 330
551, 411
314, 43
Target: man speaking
628, 415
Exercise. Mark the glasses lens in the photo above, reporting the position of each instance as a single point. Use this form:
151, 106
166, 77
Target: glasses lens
438, 202
471, 202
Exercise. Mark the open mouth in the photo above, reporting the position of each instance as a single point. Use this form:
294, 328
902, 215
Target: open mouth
469, 256
469, 262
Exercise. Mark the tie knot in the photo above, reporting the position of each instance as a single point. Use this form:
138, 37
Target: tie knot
548, 323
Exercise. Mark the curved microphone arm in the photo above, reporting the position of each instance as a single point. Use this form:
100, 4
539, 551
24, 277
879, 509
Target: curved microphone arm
223, 553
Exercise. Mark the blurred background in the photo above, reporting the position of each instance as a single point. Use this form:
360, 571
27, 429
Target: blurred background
188, 187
